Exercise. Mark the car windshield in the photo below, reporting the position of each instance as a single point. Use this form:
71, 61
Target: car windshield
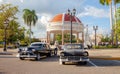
36, 45
73, 46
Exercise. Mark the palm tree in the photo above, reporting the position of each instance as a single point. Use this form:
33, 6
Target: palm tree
109, 2
105, 2
30, 18
115, 19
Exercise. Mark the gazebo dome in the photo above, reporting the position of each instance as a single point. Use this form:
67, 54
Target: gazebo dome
62, 22
64, 18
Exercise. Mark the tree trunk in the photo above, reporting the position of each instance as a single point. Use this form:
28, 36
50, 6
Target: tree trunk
30, 34
111, 22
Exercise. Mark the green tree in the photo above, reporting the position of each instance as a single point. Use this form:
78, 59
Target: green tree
7, 12
30, 18
106, 39
109, 2
115, 20
105, 2
66, 38
117, 31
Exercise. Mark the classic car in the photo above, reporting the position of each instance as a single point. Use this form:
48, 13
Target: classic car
35, 50
73, 53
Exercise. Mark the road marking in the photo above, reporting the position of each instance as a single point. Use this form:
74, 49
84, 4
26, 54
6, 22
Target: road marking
93, 64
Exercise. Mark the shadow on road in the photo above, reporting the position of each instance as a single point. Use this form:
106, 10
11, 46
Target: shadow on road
106, 63
50, 59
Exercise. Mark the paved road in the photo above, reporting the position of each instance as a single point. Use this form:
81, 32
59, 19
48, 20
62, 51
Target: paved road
9, 64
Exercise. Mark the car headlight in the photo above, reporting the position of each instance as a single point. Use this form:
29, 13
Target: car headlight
85, 54
62, 54
25, 49
33, 50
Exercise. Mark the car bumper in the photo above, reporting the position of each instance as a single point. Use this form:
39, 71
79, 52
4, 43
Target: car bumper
27, 55
73, 59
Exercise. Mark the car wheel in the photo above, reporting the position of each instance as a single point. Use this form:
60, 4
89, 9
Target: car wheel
37, 57
21, 58
49, 54
85, 62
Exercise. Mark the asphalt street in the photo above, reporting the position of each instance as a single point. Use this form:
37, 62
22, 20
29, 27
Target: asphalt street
103, 61
9, 64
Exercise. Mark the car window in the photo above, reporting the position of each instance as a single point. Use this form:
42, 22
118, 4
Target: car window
36, 45
73, 46
44, 46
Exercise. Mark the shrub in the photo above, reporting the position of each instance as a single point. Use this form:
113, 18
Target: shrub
104, 47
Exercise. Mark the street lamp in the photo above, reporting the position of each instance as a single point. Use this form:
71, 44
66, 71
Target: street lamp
6, 23
95, 28
71, 14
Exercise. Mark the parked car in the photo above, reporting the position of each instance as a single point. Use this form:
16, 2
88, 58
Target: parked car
74, 53
35, 50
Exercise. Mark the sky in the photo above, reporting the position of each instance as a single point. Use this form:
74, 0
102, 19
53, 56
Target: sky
90, 12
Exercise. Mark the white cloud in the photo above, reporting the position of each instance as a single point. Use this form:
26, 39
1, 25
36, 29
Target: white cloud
40, 28
94, 12
1, 0
21, 0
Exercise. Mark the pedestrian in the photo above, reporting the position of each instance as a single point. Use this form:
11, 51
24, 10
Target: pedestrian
56, 44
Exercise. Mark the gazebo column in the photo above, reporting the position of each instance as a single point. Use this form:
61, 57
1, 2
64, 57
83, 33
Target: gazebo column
77, 37
48, 37
62, 37
54, 37
82, 37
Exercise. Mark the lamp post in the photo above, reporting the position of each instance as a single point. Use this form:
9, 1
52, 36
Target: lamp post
72, 14
5, 25
95, 28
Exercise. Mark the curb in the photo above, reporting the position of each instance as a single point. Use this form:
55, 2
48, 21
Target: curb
5, 53
104, 57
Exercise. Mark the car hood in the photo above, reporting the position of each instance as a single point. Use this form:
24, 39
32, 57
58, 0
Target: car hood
33, 47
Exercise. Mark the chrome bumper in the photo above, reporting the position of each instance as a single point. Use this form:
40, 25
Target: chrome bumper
28, 56
73, 59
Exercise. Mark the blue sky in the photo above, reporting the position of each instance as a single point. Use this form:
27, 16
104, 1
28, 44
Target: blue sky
90, 12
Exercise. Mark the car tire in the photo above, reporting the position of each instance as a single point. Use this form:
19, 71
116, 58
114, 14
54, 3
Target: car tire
21, 58
37, 57
85, 62
49, 54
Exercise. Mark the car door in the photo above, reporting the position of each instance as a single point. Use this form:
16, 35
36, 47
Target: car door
45, 48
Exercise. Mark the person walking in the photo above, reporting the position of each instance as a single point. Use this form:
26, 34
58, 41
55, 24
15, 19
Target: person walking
56, 44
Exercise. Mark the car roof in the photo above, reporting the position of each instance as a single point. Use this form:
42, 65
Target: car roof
74, 44
38, 43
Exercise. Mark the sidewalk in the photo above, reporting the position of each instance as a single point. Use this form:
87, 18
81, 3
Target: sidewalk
106, 54
8, 52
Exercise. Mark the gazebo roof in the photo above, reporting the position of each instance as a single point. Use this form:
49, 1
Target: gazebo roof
64, 18
63, 22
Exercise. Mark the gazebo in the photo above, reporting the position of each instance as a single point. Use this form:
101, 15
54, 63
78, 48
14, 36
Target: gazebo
61, 24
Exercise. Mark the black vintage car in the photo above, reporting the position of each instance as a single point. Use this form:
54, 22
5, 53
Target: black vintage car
73, 53
35, 50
